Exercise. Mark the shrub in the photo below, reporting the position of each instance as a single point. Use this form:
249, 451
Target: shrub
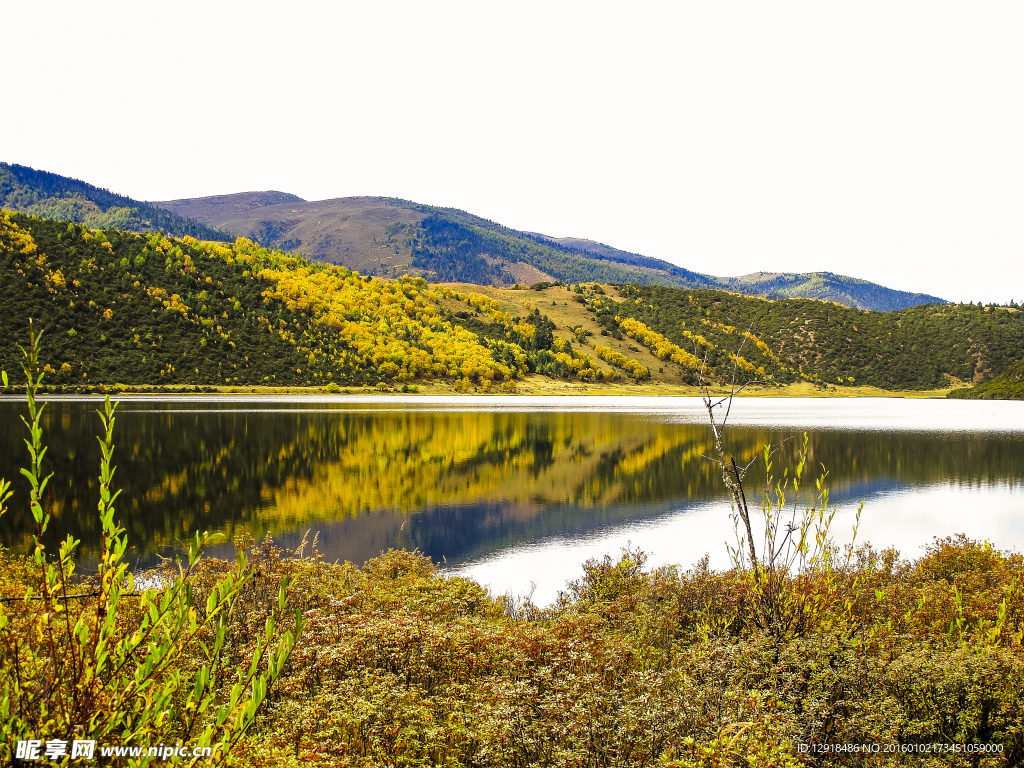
97, 658
630, 366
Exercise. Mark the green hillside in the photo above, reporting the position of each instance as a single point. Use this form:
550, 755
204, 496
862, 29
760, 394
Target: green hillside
57, 197
145, 309
916, 348
390, 237
120, 307
1009, 385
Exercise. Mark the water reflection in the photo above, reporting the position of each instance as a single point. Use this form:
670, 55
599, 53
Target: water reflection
457, 484
907, 519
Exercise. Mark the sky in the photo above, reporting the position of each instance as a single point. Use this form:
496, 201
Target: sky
881, 140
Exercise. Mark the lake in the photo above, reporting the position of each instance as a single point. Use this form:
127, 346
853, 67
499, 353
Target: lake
513, 491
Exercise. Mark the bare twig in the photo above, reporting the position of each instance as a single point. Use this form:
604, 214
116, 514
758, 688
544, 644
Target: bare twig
731, 474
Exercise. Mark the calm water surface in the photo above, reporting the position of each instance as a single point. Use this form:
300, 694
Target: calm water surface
512, 491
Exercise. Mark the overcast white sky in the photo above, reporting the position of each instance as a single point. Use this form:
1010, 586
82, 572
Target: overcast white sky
883, 140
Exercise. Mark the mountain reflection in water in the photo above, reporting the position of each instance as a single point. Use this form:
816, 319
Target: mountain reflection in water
457, 484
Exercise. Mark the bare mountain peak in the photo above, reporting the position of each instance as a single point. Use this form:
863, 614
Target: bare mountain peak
217, 206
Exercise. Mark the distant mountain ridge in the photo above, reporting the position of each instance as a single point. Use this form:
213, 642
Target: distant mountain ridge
389, 237
49, 196
825, 286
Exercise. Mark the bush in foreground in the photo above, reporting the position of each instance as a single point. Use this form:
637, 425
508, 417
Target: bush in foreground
401, 665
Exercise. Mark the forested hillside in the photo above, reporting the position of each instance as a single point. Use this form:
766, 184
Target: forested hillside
449, 249
120, 307
144, 309
1009, 385
452, 242
794, 339
58, 197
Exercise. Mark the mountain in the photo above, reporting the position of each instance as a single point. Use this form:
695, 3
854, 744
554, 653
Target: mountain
357, 232
130, 308
391, 237
57, 197
1009, 385
825, 286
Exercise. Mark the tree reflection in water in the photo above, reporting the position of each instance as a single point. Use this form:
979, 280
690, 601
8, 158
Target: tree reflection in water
454, 484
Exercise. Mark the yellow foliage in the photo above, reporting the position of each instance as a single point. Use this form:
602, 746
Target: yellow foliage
13, 238
394, 327
55, 280
761, 345
632, 367
525, 330
174, 304
662, 347
743, 363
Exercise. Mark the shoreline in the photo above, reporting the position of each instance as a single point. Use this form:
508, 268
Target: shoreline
532, 386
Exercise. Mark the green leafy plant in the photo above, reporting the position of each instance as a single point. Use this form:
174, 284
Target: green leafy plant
792, 582
100, 659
